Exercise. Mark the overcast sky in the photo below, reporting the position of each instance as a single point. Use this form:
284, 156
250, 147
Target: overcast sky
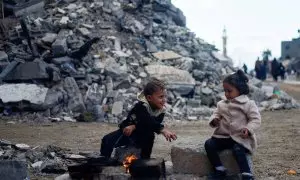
252, 25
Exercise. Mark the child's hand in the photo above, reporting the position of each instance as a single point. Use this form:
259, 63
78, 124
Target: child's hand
216, 122
128, 130
169, 135
245, 133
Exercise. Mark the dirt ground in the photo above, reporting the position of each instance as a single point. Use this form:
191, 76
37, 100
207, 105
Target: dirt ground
278, 151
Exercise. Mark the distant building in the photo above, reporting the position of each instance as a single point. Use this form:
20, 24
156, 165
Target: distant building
290, 49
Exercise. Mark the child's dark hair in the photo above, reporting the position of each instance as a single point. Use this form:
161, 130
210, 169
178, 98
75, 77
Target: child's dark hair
239, 80
153, 85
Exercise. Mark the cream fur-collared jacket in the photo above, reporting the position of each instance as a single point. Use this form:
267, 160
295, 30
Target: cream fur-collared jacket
235, 115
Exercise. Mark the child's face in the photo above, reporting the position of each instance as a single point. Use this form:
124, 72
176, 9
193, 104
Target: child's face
158, 99
231, 92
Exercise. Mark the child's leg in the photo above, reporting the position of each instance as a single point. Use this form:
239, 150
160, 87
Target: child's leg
146, 145
240, 154
213, 146
147, 149
112, 140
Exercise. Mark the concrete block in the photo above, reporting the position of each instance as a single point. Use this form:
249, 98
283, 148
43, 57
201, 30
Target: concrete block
32, 93
189, 159
13, 170
75, 103
26, 7
3, 56
28, 71
59, 47
117, 108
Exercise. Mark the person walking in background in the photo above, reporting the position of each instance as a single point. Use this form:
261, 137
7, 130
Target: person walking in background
245, 68
257, 68
281, 71
275, 69
264, 70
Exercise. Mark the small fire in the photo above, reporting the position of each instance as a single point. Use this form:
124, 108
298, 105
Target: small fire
128, 161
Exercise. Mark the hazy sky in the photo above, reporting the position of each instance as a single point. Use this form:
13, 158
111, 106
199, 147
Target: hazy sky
252, 25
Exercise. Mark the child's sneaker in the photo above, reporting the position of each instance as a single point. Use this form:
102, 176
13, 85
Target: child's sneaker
218, 175
247, 176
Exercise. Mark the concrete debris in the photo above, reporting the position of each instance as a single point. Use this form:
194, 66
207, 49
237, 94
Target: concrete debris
190, 159
13, 169
22, 146
49, 38
88, 60
12, 93
3, 56
166, 55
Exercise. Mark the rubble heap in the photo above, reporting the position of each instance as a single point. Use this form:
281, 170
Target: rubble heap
88, 59
47, 160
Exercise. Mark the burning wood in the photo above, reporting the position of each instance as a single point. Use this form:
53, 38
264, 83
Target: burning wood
128, 161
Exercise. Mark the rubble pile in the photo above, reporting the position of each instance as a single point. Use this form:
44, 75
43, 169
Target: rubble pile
87, 60
45, 160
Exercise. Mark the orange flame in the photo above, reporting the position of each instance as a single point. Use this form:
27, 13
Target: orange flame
128, 161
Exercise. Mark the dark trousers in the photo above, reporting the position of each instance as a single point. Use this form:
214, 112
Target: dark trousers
215, 145
117, 139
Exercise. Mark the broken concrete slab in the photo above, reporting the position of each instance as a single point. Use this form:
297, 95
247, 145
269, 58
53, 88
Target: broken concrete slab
62, 60
22, 147
71, 7
53, 166
63, 177
64, 21
188, 159
23, 92
10, 169
117, 108
59, 47
3, 56
75, 99
28, 71
166, 55
177, 80
53, 98
112, 173
25, 7
84, 31
37, 164
49, 38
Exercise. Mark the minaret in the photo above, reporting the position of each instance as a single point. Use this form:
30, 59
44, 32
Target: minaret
224, 42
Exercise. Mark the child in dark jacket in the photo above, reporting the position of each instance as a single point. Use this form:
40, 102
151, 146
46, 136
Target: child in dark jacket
142, 121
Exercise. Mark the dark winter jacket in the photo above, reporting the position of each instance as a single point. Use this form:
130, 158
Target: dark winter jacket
146, 120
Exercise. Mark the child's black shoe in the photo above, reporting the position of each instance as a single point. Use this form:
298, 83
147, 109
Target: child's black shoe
218, 175
247, 176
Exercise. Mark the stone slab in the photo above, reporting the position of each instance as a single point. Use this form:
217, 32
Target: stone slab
166, 55
3, 56
189, 159
19, 92
75, 102
13, 170
28, 71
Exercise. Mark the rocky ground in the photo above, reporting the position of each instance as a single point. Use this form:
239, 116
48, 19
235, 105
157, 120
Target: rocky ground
277, 153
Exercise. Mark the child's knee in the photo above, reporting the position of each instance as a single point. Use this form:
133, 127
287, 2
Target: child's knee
239, 149
105, 139
209, 144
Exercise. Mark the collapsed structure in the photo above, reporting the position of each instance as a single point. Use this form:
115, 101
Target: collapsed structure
88, 59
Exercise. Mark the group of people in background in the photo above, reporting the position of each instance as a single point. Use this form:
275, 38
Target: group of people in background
274, 67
